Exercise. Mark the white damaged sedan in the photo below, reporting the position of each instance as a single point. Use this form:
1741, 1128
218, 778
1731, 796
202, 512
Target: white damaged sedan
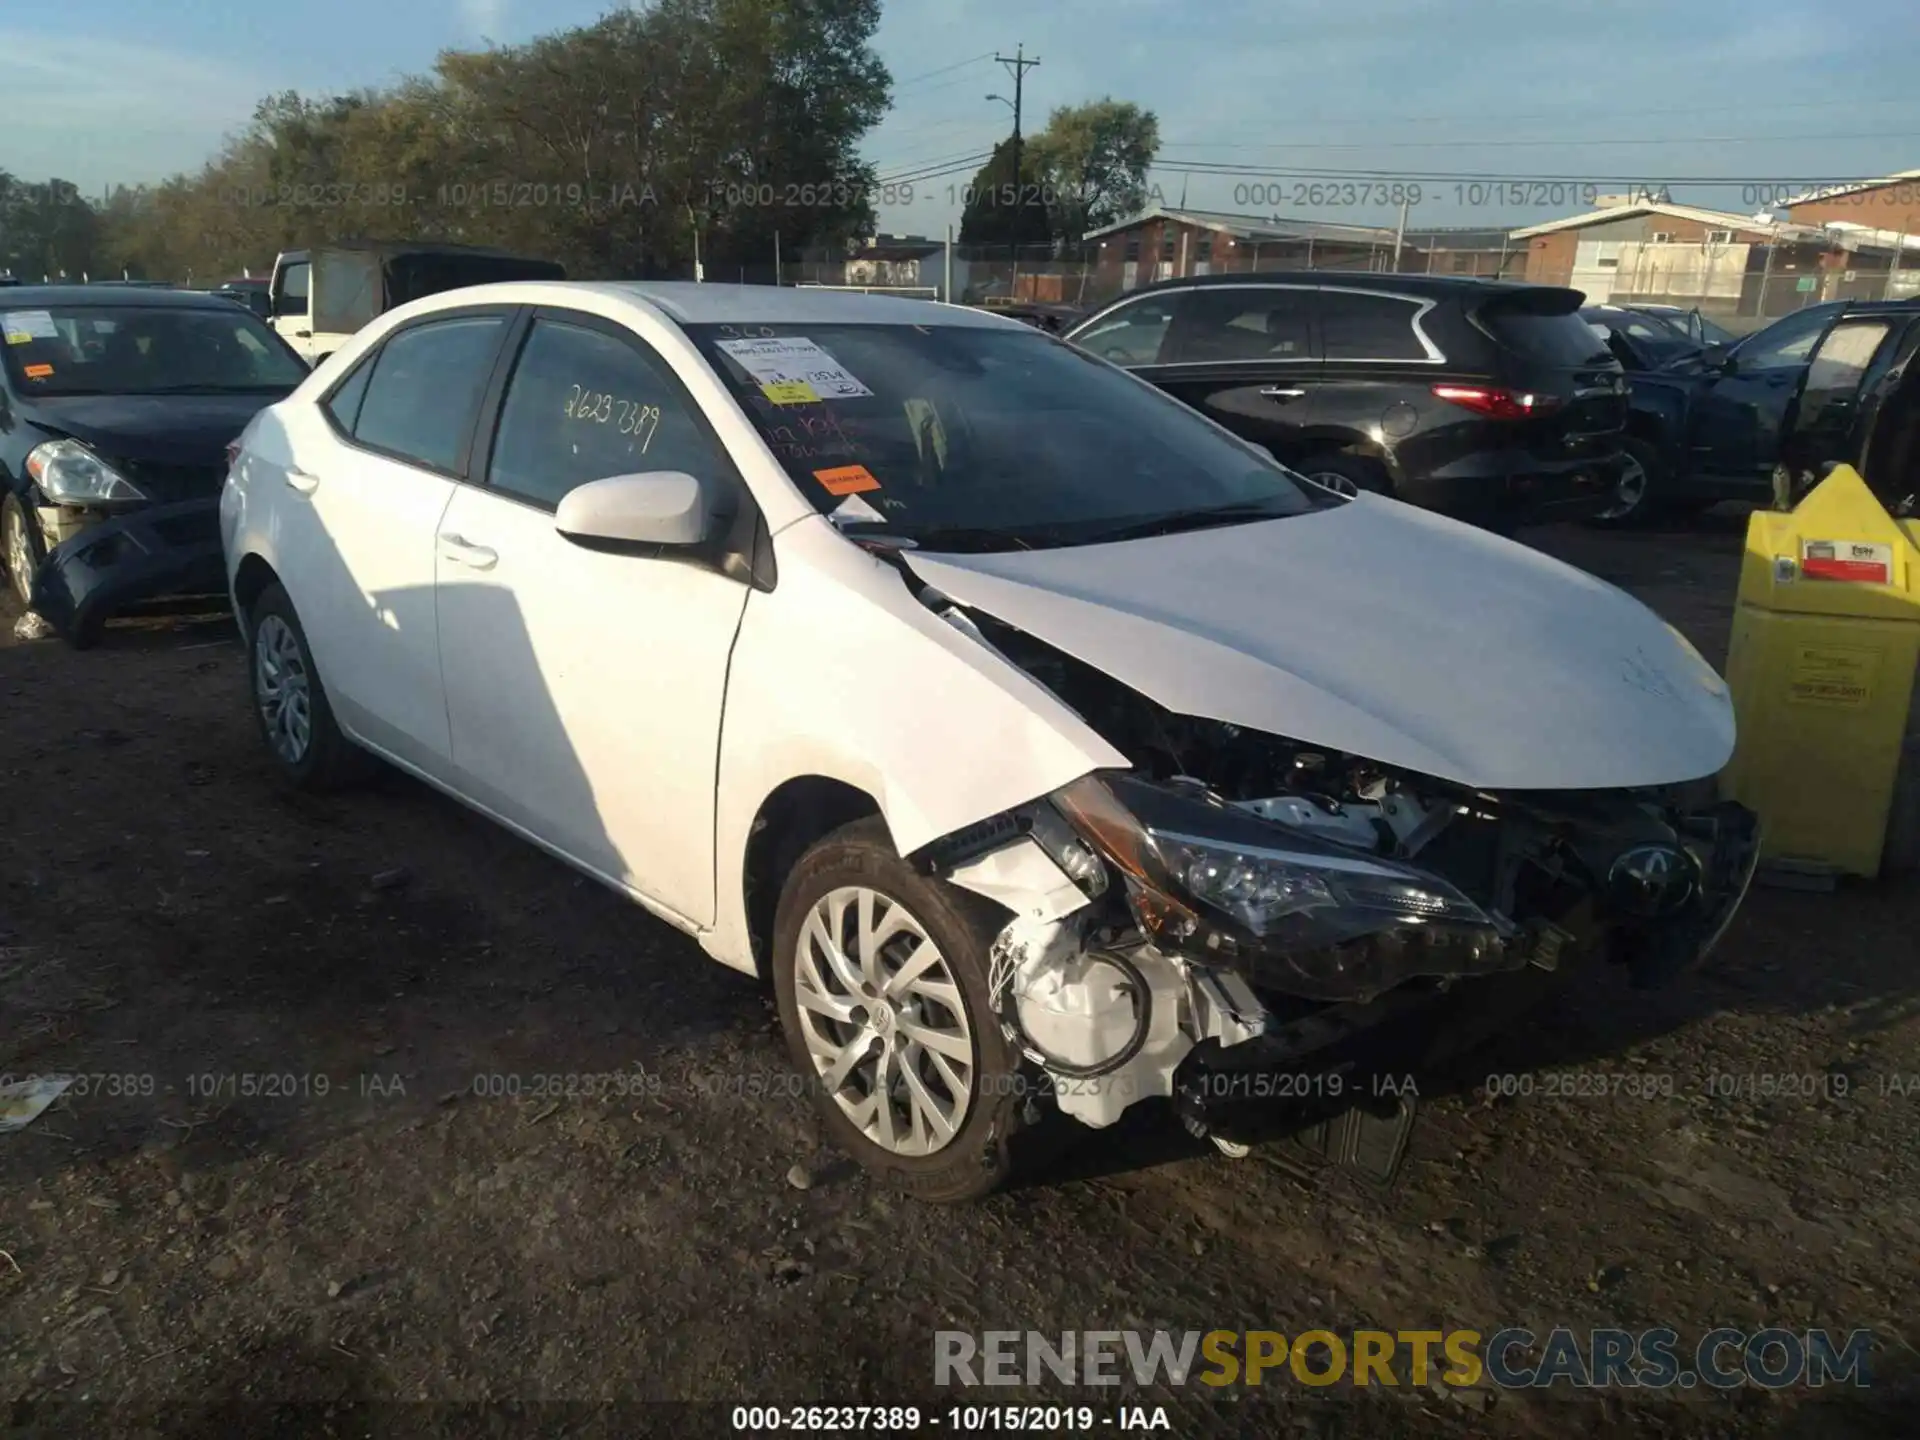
1044, 744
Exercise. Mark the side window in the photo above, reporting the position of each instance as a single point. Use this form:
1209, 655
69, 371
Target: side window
293, 289
426, 388
1132, 335
1783, 346
344, 404
1368, 327
1231, 323
585, 405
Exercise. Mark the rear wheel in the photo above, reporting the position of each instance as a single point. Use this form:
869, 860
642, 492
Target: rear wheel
1347, 474
290, 704
880, 976
1638, 499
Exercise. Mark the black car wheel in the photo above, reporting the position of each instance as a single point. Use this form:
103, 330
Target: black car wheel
290, 704
20, 549
1347, 474
1638, 499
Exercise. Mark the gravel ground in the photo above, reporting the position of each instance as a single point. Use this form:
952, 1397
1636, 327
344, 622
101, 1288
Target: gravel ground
372, 1246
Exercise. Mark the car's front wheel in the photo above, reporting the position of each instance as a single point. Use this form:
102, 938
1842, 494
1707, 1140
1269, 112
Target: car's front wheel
880, 975
19, 549
290, 703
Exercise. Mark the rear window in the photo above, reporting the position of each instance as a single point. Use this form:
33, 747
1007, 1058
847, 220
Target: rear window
1550, 337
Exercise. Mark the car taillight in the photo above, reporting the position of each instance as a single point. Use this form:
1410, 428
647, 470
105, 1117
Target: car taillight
233, 453
1497, 404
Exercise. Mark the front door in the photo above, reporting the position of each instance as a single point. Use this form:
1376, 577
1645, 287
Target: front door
1244, 355
584, 688
1735, 426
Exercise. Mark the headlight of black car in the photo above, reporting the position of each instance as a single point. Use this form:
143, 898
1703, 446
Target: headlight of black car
1293, 911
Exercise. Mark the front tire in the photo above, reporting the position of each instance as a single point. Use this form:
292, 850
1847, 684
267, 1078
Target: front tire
290, 704
20, 549
880, 977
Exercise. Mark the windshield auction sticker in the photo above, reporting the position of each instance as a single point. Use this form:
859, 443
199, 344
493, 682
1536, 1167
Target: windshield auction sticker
791, 363
1859, 561
23, 327
847, 479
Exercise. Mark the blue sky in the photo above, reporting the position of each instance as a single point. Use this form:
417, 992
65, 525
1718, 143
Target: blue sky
121, 91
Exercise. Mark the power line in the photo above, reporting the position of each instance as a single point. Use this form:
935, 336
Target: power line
1305, 172
1570, 140
943, 70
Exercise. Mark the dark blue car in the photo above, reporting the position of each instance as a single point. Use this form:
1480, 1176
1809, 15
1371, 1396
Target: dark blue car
116, 408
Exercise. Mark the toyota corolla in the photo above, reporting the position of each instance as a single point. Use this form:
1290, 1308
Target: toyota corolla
1044, 744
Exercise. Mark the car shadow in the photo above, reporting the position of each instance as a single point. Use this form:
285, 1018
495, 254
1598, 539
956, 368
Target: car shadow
267, 967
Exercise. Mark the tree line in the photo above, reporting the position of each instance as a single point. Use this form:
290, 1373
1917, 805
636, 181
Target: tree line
723, 129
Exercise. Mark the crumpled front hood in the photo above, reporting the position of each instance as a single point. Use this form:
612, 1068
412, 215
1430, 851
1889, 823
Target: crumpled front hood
1382, 631
153, 429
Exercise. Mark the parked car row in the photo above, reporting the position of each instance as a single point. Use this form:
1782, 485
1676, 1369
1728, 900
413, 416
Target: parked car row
1507, 404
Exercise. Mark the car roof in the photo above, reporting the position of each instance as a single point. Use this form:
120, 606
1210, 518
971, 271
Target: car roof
1428, 286
30, 297
687, 302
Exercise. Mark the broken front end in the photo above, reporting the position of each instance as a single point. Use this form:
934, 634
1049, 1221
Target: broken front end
1240, 919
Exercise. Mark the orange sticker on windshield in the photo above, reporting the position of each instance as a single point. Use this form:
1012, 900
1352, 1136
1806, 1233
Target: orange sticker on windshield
38, 372
847, 479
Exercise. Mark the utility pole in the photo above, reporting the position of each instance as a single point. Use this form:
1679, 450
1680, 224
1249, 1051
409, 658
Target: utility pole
1017, 66
1399, 237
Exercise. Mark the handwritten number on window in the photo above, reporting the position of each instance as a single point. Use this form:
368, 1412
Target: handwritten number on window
628, 417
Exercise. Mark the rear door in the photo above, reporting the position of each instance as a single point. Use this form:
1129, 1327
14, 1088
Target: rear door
373, 469
1738, 416
1554, 362
1247, 357
1380, 360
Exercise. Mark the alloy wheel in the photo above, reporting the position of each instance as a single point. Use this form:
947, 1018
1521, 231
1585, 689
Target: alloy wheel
20, 565
883, 1020
282, 690
1630, 493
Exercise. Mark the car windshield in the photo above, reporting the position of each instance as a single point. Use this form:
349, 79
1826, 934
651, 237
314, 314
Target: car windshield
964, 437
136, 349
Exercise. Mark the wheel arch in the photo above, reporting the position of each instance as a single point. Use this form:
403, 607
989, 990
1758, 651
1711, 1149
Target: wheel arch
798, 813
250, 581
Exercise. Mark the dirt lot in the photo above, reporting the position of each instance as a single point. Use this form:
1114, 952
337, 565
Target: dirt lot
169, 919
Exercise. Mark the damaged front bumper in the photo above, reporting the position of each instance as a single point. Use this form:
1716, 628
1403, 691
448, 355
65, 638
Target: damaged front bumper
1168, 944
126, 558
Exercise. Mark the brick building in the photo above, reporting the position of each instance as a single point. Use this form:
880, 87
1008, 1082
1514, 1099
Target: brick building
1891, 204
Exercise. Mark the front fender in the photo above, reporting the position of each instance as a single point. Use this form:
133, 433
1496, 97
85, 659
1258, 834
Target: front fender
840, 672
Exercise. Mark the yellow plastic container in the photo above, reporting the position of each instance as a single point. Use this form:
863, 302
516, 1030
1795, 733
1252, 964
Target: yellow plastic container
1826, 644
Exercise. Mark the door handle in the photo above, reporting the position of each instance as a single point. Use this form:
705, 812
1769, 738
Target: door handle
463, 552
1277, 392
300, 480
303, 334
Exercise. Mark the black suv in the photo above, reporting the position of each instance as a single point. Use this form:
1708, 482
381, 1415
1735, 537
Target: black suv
1489, 400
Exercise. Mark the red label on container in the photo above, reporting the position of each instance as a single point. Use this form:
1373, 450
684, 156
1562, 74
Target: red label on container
1855, 561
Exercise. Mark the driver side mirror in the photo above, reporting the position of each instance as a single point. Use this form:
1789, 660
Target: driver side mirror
654, 508
1719, 357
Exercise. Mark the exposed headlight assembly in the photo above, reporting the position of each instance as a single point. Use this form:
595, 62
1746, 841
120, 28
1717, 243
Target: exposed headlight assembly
71, 474
1303, 914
